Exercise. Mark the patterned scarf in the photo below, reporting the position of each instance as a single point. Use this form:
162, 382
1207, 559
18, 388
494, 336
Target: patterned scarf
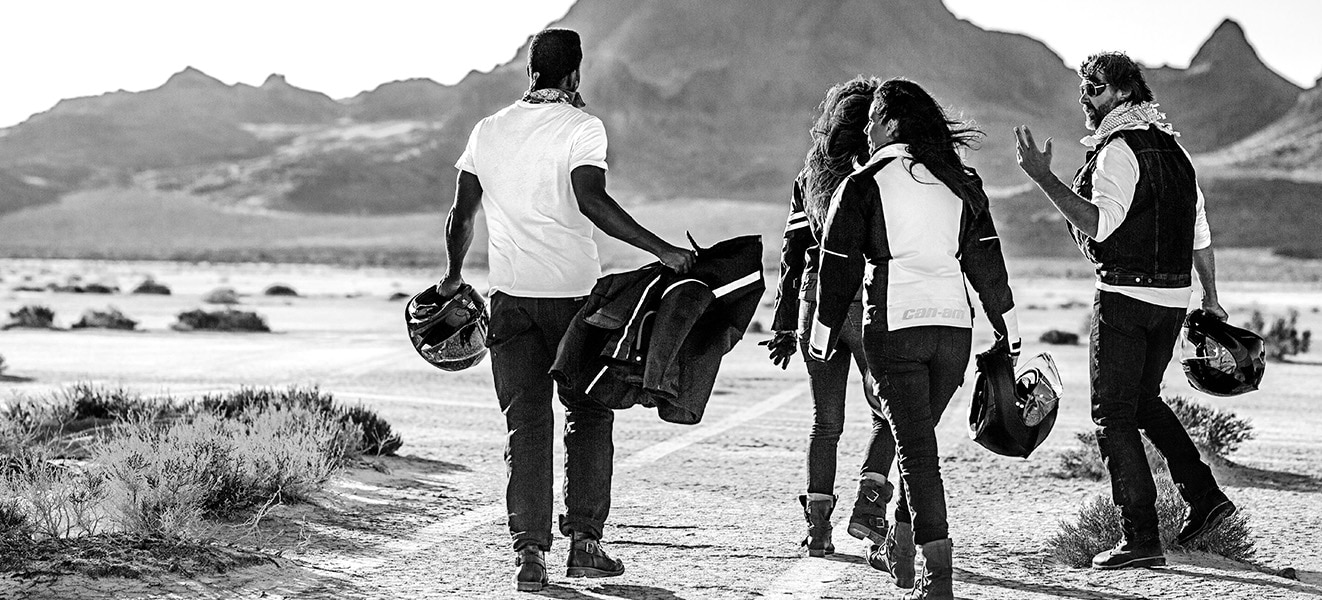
1129, 116
553, 95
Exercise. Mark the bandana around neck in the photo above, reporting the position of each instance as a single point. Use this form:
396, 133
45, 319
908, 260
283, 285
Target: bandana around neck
1130, 116
554, 95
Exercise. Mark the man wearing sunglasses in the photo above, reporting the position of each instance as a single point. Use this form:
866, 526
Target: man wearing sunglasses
1136, 212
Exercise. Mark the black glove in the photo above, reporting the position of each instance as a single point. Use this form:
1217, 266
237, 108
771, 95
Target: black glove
781, 347
1000, 345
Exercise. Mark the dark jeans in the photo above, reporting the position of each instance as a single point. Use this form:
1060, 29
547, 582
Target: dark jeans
917, 371
1131, 345
524, 335
829, 382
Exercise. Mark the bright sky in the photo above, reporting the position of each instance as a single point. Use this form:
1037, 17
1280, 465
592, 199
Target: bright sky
55, 49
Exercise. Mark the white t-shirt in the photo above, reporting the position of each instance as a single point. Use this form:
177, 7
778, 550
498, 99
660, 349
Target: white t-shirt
540, 242
1114, 181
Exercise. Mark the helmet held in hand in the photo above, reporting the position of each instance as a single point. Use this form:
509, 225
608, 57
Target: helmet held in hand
450, 333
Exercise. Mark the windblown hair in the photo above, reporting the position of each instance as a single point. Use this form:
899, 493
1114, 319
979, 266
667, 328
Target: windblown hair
1120, 71
552, 55
932, 136
838, 141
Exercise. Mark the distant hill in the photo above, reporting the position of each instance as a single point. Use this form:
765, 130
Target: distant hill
701, 99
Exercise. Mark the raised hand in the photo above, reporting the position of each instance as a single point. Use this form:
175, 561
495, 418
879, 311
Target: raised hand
1037, 164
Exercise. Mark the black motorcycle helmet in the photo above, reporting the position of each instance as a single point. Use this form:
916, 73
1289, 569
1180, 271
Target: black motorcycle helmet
451, 334
1219, 358
1012, 413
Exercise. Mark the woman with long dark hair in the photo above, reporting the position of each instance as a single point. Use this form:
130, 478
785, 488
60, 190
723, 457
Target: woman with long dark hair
839, 144
916, 219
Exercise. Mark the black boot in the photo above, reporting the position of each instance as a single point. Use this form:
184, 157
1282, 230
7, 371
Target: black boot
1204, 516
1132, 551
937, 582
588, 559
896, 555
531, 573
818, 515
868, 520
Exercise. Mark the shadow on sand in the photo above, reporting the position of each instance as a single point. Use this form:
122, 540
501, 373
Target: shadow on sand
632, 592
1281, 583
1235, 474
1054, 590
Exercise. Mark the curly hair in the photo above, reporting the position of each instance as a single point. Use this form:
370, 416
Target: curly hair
1120, 71
838, 141
932, 136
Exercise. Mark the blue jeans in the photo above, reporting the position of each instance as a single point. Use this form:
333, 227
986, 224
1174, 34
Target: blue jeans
1131, 344
917, 371
828, 382
523, 338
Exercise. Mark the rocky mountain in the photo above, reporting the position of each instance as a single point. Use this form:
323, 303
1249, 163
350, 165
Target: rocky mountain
700, 99
1226, 94
1289, 148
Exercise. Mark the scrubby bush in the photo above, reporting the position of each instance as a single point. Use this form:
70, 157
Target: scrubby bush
33, 316
1283, 338
111, 318
1058, 337
3, 365
280, 289
53, 500
87, 401
151, 286
398, 296
221, 320
1097, 528
1217, 432
221, 295
99, 288
377, 436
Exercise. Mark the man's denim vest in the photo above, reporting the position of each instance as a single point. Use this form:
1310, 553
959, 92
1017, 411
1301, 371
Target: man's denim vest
1153, 247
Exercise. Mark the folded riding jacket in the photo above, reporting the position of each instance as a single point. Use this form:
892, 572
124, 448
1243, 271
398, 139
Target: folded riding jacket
654, 337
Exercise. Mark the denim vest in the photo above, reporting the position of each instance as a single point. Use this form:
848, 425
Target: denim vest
1153, 247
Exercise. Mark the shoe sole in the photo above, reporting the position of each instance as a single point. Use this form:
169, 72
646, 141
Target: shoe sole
1152, 561
1219, 514
591, 572
530, 586
820, 553
863, 533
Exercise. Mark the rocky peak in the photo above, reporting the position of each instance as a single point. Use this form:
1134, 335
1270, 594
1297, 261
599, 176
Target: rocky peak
193, 78
1228, 45
275, 80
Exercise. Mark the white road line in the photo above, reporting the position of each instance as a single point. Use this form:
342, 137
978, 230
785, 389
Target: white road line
417, 399
440, 531
808, 577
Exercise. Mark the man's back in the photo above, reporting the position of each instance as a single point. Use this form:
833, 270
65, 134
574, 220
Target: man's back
541, 243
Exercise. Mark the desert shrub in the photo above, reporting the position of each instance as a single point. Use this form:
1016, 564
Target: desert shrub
1058, 337
87, 401
398, 296
221, 295
1283, 338
151, 286
1218, 432
111, 318
99, 288
1097, 528
280, 289
165, 478
34, 316
1084, 461
3, 365
53, 500
221, 320
377, 436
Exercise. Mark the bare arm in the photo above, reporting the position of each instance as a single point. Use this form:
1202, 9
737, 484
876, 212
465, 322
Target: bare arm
1204, 262
599, 207
1081, 213
459, 230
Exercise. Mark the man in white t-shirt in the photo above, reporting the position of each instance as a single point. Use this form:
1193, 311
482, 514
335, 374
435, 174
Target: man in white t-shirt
538, 166
1136, 211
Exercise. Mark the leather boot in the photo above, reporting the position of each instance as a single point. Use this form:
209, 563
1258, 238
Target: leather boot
530, 576
1132, 551
868, 520
896, 556
937, 582
588, 559
818, 515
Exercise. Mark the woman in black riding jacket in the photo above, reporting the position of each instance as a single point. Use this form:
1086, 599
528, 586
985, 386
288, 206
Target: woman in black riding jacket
839, 144
916, 221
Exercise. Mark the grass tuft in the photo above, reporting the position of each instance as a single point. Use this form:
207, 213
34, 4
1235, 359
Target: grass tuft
221, 320
1283, 338
32, 316
280, 289
151, 286
111, 318
1096, 528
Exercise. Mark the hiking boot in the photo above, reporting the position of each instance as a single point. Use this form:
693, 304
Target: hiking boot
868, 521
1205, 516
896, 556
588, 559
1126, 554
818, 515
937, 582
531, 573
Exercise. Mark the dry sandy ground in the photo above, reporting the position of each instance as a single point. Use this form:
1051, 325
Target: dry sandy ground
706, 511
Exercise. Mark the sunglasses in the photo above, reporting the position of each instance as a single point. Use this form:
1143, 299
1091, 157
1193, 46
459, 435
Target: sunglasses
1092, 89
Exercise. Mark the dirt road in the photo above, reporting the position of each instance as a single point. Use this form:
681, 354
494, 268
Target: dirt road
706, 511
